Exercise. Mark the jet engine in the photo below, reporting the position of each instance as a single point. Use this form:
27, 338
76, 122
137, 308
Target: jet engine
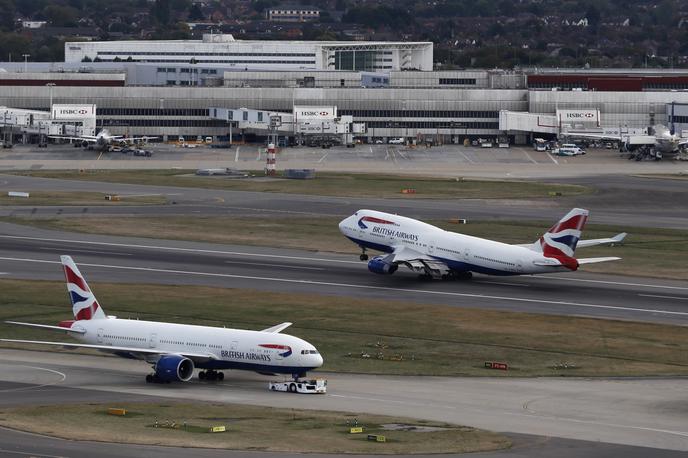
379, 266
173, 368
84, 144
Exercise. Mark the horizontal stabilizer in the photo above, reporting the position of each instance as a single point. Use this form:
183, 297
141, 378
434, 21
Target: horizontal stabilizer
596, 260
47, 326
618, 238
278, 328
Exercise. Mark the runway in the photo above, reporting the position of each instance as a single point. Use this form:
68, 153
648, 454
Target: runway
623, 201
627, 412
34, 254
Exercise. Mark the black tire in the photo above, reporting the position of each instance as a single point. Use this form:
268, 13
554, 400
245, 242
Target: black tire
292, 388
363, 257
201, 375
220, 375
149, 378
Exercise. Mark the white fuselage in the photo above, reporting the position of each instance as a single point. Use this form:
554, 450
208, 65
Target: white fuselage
458, 251
229, 348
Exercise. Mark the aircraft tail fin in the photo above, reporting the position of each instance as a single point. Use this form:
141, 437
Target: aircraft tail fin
560, 240
84, 303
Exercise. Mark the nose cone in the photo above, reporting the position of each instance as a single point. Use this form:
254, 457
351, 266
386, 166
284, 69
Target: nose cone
317, 360
343, 224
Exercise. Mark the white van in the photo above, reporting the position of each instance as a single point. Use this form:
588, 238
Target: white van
396, 141
570, 149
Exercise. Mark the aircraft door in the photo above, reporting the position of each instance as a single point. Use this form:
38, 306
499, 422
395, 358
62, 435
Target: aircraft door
467, 254
431, 246
100, 335
234, 345
153, 342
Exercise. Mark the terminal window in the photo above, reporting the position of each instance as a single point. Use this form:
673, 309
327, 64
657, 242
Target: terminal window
467, 81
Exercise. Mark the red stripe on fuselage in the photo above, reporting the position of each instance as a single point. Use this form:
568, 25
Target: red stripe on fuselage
275, 346
74, 278
373, 219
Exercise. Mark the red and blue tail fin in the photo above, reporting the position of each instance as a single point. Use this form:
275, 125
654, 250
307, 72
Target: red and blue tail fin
560, 241
84, 303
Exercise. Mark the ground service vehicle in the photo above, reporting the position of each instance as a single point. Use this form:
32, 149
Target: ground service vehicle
317, 386
396, 141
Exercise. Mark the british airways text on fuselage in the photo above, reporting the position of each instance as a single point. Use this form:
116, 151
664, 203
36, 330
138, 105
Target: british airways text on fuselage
392, 233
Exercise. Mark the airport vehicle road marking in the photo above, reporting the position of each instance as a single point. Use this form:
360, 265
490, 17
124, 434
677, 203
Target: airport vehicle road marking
282, 266
62, 376
368, 287
81, 250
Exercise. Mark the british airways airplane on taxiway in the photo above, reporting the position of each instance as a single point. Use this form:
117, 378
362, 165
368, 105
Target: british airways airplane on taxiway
436, 253
175, 350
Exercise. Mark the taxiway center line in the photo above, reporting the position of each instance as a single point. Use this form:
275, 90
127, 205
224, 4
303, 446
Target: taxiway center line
377, 288
664, 297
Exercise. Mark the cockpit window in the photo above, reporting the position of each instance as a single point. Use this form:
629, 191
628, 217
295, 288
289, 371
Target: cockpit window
309, 352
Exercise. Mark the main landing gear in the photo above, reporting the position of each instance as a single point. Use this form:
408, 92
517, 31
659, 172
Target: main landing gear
211, 375
152, 378
451, 275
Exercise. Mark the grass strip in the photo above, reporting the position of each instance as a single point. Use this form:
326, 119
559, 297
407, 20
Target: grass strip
330, 184
79, 198
381, 336
247, 428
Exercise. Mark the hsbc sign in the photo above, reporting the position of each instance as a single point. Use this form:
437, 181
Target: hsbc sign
578, 115
73, 111
321, 113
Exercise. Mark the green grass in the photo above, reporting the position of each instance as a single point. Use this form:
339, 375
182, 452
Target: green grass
646, 251
329, 184
400, 338
248, 428
74, 198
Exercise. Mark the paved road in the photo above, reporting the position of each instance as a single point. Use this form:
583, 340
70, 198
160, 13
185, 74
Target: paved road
34, 254
630, 413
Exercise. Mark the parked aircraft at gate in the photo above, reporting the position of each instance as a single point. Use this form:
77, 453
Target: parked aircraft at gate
103, 141
175, 350
436, 253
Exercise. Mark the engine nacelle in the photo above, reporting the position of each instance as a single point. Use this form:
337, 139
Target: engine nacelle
379, 266
173, 368
84, 144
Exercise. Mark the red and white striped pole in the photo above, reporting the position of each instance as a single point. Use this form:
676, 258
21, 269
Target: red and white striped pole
270, 165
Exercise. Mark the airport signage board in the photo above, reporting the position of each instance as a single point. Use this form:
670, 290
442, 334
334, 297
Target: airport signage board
68, 111
302, 113
578, 116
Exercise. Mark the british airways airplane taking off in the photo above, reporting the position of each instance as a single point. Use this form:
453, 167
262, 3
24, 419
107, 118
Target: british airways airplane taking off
175, 350
436, 253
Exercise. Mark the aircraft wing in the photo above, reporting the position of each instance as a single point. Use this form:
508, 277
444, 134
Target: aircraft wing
618, 238
47, 326
683, 142
415, 260
135, 351
278, 328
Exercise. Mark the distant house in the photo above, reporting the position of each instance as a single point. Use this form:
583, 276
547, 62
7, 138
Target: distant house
293, 14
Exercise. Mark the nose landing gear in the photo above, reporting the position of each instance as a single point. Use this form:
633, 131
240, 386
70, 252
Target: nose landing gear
363, 256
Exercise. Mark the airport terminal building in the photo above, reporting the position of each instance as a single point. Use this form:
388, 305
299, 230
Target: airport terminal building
158, 93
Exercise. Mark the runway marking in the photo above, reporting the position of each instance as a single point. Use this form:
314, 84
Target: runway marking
190, 250
609, 282
99, 156
341, 261
369, 287
552, 157
323, 158
81, 250
502, 283
236, 154
14, 452
528, 156
284, 266
33, 387
664, 297
466, 157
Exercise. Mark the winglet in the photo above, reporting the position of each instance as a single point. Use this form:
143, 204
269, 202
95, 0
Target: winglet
278, 328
